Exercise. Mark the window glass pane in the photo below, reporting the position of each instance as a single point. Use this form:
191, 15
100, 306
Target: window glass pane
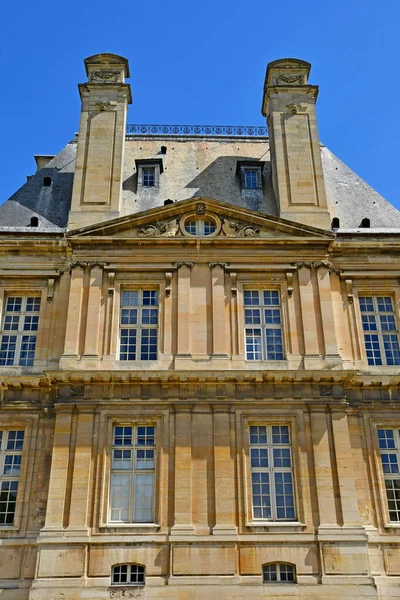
120, 493
284, 498
386, 438
15, 440
8, 346
270, 573
8, 501
143, 512
14, 304
122, 436
253, 344
251, 297
12, 464
209, 227
150, 298
33, 304
280, 434
148, 177
384, 304
251, 179
258, 434
261, 494
366, 304
286, 573
130, 298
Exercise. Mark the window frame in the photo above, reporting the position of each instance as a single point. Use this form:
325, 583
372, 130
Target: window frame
22, 314
383, 510
129, 570
133, 472
263, 326
108, 421
125, 287
244, 167
278, 565
142, 165
299, 496
7, 452
374, 294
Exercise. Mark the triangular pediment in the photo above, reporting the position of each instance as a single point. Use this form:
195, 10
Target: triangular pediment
228, 221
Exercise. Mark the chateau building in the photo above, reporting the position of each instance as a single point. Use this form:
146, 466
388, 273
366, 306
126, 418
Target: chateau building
199, 361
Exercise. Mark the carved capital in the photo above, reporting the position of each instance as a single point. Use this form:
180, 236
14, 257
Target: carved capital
317, 265
218, 264
183, 263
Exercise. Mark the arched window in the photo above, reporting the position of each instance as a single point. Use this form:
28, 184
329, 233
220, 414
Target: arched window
34, 222
46, 181
200, 227
365, 223
279, 573
128, 574
335, 223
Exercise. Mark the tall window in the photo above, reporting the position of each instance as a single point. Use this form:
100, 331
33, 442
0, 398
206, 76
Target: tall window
271, 472
11, 446
132, 474
381, 335
139, 325
389, 444
127, 575
279, 573
19, 330
263, 325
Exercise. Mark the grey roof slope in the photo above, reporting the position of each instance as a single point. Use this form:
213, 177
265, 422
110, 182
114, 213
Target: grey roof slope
50, 204
349, 197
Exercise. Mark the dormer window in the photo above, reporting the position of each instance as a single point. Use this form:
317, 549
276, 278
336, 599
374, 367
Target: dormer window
149, 171
149, 177
250, 174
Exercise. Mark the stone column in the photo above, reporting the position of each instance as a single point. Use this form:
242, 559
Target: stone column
312, 357
91, 348
327, 316
323, 468
183, 471
224, 469
81, 475
184, 321
345, 470
55, 512
218, 310
74, 315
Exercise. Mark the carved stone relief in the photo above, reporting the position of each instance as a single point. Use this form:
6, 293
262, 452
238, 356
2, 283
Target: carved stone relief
239, 229
120, 593
290, 79
105, 76
169, 229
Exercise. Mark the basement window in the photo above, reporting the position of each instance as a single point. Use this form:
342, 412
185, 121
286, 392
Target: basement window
279, 573
127, 575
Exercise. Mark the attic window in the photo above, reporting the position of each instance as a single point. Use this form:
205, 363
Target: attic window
149, 171
365, 223
335, 223
34, 222
168, 201
250, 174
46, 181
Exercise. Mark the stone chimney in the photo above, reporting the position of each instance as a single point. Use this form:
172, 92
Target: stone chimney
289, 105
96, 194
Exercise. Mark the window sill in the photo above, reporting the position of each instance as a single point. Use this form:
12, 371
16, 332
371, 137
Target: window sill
130, 526
392, 525
276, 524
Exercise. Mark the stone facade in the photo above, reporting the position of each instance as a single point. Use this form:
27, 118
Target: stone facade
167, 359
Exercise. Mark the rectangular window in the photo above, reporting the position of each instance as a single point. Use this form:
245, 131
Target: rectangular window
380, 330
132, 474
148, 177
389, 444
263, 325
251, 179
19, 330
11, 446
271, 473
138, 325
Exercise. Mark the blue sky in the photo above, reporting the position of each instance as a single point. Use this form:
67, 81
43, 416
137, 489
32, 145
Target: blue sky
203, 63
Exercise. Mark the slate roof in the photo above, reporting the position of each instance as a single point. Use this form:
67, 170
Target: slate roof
349, 197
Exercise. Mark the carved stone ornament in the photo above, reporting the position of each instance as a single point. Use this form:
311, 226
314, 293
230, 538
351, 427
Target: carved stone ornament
77, 390
326, 390
105, 76
290, 79
218, 264
122, 593
183, 263
238, 229
316, 265
102, 106
40, 516
293, 108
82, 264
200, 209
169, 229
168, 283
